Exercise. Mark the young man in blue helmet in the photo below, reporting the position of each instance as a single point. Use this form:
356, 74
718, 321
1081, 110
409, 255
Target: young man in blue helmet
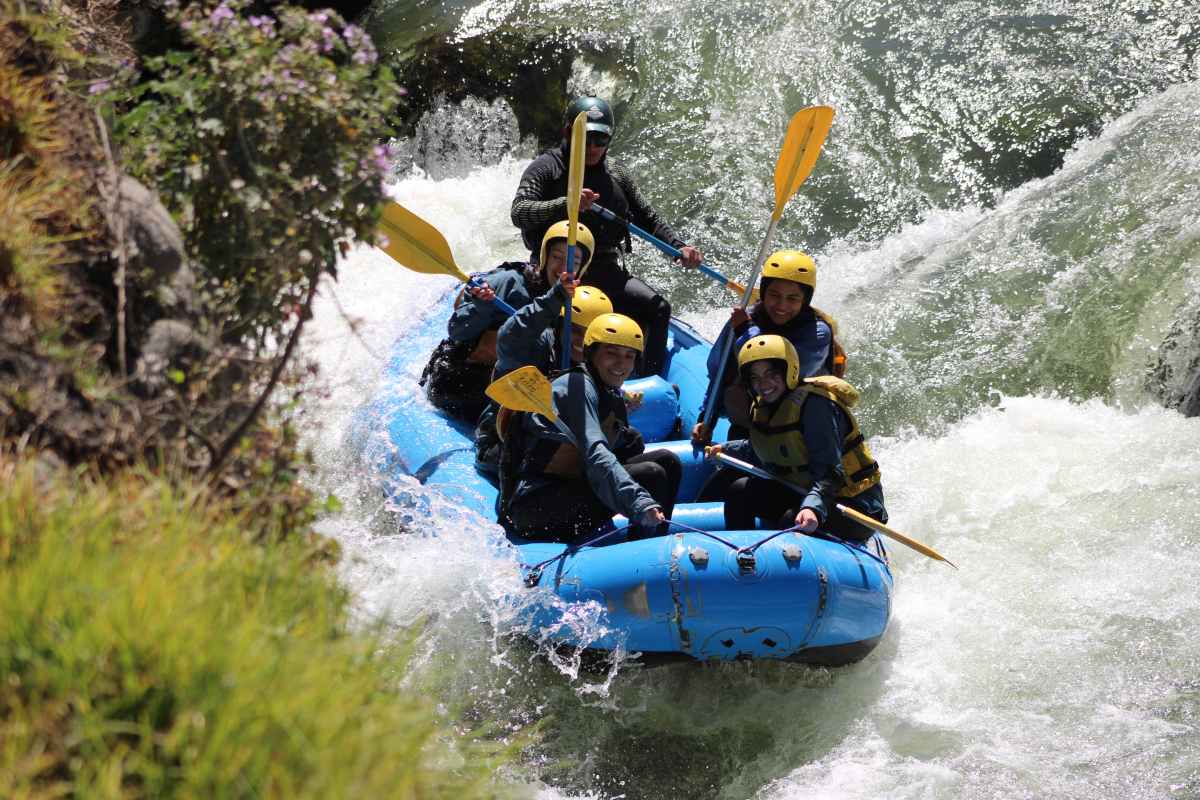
541, 200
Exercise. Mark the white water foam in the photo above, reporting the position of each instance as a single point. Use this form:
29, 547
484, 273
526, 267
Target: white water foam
1059, 661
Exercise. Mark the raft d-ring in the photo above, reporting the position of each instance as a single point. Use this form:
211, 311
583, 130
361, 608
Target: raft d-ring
531, 580
745, 562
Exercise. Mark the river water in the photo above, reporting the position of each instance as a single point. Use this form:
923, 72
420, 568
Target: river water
1013, 325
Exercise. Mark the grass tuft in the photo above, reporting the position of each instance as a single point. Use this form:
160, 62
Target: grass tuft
147, 649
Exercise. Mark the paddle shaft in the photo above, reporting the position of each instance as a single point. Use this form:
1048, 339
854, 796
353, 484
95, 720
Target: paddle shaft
857, 516
710, 406
575, 168
566, 331
666, 248
477, 283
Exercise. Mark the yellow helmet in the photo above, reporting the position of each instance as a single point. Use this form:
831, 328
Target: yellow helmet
559, 230
769, 348
587, 304
614, 329
792, 265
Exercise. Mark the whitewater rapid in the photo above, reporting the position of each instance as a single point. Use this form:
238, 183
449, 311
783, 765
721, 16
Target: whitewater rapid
1060, 660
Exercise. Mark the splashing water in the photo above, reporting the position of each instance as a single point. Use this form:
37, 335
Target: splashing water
1010, 333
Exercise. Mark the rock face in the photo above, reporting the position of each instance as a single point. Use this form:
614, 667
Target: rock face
531, 70
1189, 405
154, 246
1175, 377
161, 296
452, 138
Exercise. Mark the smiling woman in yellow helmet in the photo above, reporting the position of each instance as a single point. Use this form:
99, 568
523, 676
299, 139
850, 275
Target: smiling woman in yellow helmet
789, 279
460, 367
552, 488
802, 430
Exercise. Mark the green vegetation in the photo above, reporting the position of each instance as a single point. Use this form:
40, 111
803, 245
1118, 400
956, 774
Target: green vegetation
169, 624
265, 139
148, 650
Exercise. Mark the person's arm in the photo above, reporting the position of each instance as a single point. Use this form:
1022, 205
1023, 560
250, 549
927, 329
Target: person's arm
813, 350
741, 333
613, 486
533, 205
474, 315
640, 211
741, 449
519, 342
822, 425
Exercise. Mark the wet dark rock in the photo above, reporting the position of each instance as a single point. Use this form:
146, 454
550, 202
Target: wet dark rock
1175, 376
530, 70
1189, 405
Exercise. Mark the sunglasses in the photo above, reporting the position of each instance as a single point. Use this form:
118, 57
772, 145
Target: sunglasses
597, 139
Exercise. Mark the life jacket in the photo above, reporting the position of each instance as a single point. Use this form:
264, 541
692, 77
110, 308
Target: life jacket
779, 443
609, 235
545, 456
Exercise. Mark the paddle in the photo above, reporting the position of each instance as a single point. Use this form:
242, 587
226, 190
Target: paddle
415, 244
729, 283
806, 133
574, 191
857, 516
526, 389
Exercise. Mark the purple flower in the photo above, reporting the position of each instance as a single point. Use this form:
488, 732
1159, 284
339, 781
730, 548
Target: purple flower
99, 86
220, 13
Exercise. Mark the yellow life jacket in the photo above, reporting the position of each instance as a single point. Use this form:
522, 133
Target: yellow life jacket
779, 443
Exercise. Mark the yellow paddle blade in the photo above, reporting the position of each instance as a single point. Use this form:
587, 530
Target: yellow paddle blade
416, 244
806, 133
923, 549
575, 174
525, 389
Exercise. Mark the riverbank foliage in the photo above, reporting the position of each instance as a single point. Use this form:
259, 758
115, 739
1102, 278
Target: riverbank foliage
174, 185
147, 650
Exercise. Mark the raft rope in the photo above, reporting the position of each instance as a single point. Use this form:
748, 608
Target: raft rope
535, 572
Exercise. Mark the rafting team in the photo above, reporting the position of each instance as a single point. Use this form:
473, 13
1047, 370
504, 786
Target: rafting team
782, 389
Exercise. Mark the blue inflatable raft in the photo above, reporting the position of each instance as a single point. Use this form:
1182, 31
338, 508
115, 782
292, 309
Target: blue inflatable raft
699, 592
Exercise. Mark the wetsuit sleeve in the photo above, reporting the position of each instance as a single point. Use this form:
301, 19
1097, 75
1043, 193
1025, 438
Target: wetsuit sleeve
822, 424
519, 342
607, 477
814, 350
640, 212
473, 317
533, 206
742, 450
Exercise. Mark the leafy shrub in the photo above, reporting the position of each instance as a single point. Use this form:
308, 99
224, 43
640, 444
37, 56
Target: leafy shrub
265, 139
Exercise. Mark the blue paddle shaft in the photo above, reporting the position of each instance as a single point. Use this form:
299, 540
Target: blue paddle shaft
710, 408
657, 242
566, 334
476, 283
